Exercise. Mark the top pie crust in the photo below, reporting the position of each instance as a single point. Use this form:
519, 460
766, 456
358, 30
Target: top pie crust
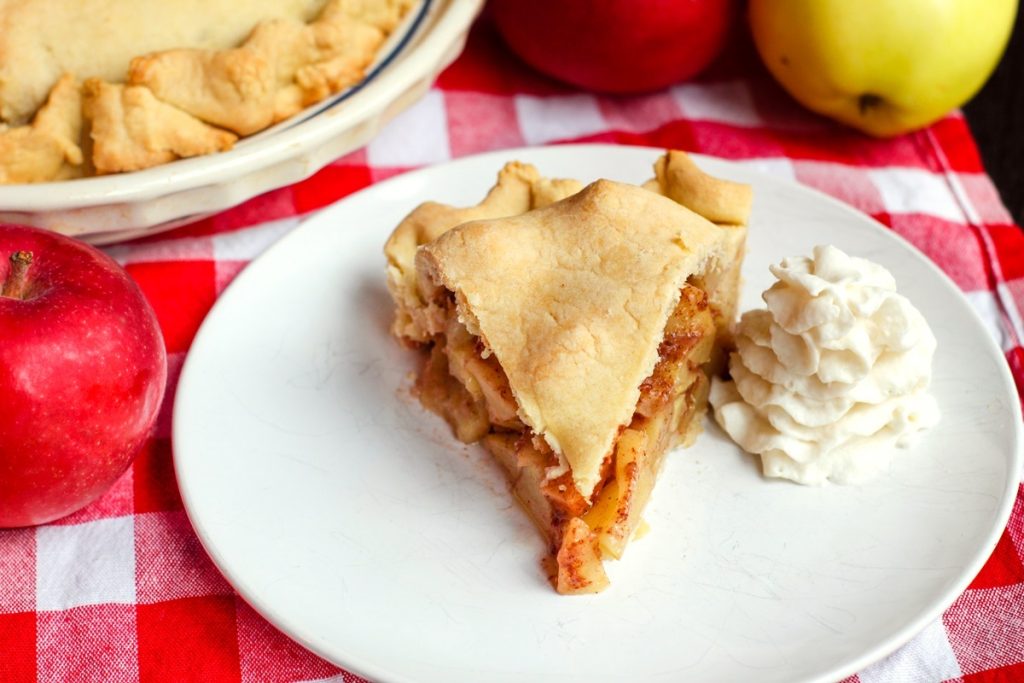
519, 189
42, 39
572, 298
234, 68
49, 147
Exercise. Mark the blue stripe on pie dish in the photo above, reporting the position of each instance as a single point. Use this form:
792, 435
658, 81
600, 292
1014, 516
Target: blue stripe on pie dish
374, 72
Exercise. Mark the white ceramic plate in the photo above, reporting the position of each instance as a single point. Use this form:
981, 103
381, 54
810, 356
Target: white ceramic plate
122, 206
354, 521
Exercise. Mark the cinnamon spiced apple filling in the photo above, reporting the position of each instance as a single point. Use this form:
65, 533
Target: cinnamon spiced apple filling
465, 384
570, 331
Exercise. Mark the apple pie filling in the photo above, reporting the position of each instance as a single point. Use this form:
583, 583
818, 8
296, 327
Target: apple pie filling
464, 383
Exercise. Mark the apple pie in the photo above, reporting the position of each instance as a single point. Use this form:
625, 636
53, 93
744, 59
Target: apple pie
107, 86
571, 330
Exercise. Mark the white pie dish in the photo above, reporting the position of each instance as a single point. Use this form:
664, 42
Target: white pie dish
117, 207
353, 520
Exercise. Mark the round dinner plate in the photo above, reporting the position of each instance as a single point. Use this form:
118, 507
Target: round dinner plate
354, 521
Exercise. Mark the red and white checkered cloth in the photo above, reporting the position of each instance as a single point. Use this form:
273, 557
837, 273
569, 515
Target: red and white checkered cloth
122, 591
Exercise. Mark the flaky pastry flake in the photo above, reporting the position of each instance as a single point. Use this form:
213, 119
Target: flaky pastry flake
48, 148
720, 201
282, 67
132, 130
519, 189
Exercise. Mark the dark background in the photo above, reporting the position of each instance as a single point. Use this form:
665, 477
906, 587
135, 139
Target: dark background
996, 116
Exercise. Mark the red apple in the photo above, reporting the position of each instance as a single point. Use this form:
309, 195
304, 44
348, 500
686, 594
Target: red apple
616, 46
82, 374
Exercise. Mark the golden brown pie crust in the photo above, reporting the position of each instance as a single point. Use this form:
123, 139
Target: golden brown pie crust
48, 148
572, 299
572, 333
188, 101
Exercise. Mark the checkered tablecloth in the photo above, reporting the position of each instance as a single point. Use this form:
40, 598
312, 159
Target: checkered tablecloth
122, 591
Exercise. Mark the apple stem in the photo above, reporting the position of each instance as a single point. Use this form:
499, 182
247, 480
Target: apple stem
17, 279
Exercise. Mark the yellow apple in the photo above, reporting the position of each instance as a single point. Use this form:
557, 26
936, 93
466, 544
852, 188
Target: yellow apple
883, 66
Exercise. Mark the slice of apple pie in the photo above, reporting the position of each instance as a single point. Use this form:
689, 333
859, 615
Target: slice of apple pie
571, 330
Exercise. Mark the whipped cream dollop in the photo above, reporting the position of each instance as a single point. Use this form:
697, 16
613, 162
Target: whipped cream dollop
833, 376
